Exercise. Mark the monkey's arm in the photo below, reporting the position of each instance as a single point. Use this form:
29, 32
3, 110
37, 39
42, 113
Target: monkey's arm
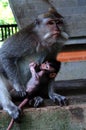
32, 66
61, 100
13, 74
8, 60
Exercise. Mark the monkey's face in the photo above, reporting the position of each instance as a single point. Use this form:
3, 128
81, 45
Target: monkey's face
52, 29
47, 66
49, 30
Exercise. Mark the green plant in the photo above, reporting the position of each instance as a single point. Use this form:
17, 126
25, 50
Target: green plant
6, 16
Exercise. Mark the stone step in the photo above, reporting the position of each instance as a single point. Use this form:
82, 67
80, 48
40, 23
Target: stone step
72, 117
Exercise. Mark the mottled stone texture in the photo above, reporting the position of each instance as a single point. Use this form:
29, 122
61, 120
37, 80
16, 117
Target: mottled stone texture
49, 118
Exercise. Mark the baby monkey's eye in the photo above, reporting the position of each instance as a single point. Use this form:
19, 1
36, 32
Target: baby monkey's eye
47, 66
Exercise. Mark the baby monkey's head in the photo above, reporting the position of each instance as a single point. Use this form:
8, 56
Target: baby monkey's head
51, 67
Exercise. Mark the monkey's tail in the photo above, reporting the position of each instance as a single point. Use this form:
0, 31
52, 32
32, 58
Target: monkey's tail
20, 106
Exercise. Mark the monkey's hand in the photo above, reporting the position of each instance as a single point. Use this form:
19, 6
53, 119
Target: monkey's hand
61, 100
21, 91
32, 64
32, 67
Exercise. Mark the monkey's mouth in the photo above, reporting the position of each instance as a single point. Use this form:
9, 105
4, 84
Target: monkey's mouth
56, 34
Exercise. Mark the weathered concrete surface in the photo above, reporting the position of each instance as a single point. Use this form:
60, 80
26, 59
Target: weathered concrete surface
49, 118
72, 70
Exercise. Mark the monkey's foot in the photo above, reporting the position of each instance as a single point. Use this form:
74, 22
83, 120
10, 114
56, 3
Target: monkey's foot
61, 100
36, 102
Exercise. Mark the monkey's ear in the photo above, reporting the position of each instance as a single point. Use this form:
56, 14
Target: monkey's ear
52, 75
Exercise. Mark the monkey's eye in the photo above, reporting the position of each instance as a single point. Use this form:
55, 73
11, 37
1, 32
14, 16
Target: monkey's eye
59, 21
47, 66
50, 22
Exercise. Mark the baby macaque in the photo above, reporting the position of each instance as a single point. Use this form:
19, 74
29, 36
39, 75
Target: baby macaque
46, 68
41, 75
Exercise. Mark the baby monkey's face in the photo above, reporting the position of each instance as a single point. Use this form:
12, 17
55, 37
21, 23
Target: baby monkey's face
47, 66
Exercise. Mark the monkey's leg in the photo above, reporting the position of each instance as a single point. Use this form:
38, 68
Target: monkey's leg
5, 99
61, 100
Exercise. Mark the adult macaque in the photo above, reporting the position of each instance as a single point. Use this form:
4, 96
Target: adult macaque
37, 42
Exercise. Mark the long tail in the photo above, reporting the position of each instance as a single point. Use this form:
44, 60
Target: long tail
20, 106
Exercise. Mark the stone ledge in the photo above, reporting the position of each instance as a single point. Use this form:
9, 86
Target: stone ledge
72, 117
